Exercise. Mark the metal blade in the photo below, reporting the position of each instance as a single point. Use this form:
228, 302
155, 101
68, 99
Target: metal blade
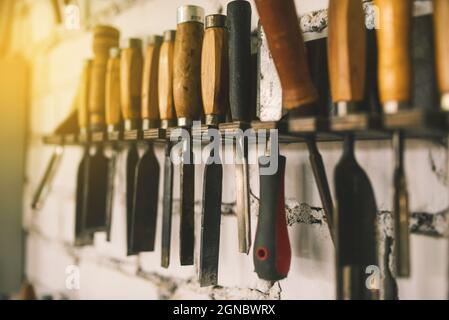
131, 164
110, 194
167, 208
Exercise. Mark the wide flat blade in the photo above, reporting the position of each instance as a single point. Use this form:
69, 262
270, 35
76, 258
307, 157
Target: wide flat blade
210, 224
146, 198
131, 164
167, 208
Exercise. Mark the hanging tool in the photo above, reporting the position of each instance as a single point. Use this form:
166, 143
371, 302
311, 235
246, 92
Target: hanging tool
188, 104
131, 67
114, 124
168, 119
214, 84
146, 192
299, 95
239, 24
355, 219
441, 16
395, 73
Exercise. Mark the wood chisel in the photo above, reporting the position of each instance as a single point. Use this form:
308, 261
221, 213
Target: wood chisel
188, 104
168, 120
114, 124
299, 95
395, 74
239, 24
146, 192
131, 68
214, 84
356, 214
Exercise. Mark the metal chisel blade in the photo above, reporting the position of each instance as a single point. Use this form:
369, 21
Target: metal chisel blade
110, 194
82, 238
131, 164
210, 224
167, 208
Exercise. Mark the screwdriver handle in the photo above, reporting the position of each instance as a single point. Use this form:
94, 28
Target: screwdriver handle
272, 251
187, 64
131, 67
394, 41
165, 88
113, 109
215, 69
150, 99
441, 17
239, 24
285, 40
347, 50
83, 96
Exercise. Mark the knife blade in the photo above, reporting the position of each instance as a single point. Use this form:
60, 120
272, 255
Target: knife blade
168, 119
188, 104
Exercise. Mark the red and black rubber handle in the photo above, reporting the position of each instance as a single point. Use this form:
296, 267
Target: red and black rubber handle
272, 251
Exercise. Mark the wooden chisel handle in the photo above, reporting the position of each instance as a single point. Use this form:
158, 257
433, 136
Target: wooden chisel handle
239, 24
215, 70
165, 89
394, 42
285, 40
83, 96
347, 50
441, 18
113, 109
105, 38
272, 251
131, 67
187, 64
150, 100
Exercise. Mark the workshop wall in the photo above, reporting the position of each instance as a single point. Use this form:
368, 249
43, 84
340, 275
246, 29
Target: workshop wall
104, 270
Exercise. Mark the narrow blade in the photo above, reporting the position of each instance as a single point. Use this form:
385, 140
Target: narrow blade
82, 238
167, 208
110, 194
210, 224
131, 164
146, 197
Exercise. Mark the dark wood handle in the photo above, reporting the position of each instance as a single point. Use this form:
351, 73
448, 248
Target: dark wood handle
394, 40
347, 50
187, 70
150, 99
285, 40
441, 19
215, 72
166, 105
113, 110
83, 96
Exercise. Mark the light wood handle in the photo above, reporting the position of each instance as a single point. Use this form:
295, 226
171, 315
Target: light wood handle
131, 67
187, 70
166, 106
347, 50
285, 40
83, 96
150, 99
394, 41
113, 109
441, 19
215, 72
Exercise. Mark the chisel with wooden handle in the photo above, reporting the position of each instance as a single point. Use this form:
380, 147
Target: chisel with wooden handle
239, 24
395, 74
168, 119
188, 104
441, 17
299, 95
214, 85
114, 124
356, 214
146, 192
131, 68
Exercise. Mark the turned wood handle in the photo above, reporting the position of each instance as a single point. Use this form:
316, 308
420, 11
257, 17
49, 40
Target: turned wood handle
285, 40
215, 68
104, 38
394, 41
131, 68
187, 69
113, 110
150, 100
239, 24
166, 105
441, 19
347, 50
83, 96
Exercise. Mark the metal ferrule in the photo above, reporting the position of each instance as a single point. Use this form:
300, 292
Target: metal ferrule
134, 43
154, 40
114, 53
344, 108
214, 119
84, 131
150, 124
185, 122
395, 106
165, 124
190, 14
113, 128
216, 21
169, 35
132, 125
445, 102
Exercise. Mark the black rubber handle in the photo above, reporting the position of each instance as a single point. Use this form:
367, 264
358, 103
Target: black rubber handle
272, 251
239, 25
